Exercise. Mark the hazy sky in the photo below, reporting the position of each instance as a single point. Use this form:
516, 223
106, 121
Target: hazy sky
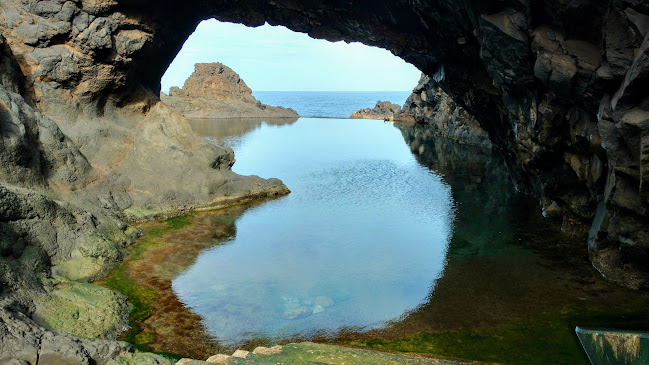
277, 59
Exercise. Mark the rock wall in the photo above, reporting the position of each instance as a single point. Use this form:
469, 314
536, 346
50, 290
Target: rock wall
215, 91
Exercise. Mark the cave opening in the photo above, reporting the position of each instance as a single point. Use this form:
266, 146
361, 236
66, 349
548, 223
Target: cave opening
273, 59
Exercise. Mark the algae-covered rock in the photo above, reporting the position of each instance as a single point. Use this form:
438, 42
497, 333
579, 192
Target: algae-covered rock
140, 358
90, 260
84, 310
614, 347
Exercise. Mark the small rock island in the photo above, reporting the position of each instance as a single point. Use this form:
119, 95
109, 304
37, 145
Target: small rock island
382, 110
215, 91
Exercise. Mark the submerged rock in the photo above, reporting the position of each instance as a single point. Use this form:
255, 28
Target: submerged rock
614, 346
296, 313
216, 91
323, 301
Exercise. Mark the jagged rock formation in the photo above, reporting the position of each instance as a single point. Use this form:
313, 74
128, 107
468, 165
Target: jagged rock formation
382, 110
429, 105
216, 91
559, 86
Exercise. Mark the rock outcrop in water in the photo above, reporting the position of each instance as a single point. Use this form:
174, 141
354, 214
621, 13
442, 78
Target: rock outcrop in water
216, 91
382, 110
559, 86
430, 106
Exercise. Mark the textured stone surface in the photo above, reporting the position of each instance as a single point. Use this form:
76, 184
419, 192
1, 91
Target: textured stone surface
22, 340
84, 310
218, 359
216, 91
382, 110
430, 105
614, 347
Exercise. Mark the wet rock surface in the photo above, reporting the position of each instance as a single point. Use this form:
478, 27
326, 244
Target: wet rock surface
215, 91
311, 353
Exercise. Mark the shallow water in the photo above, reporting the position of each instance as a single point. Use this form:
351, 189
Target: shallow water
360, 240
464, 267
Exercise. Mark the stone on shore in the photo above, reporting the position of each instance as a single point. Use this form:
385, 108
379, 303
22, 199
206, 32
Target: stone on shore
218, 359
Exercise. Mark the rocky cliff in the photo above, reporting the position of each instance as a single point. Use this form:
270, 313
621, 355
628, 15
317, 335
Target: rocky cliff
559, 86
216, 91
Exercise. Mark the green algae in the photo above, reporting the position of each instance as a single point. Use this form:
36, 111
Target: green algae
314, 353
140, 297
85, 310
542, 338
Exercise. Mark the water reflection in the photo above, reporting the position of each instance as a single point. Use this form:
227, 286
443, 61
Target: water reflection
364, 248
359, 241
514, 286
229, 131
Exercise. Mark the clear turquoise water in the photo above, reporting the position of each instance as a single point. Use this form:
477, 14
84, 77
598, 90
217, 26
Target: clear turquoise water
360, 241
329, 104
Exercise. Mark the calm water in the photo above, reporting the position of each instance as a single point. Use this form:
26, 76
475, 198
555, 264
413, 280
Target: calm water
392, 238
359, 242
329, 104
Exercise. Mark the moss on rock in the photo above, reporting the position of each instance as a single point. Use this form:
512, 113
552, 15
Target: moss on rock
84, 310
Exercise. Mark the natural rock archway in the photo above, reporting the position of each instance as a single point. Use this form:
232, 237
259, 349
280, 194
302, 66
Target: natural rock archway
560, 86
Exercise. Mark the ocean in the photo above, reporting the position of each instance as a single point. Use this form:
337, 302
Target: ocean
329, 104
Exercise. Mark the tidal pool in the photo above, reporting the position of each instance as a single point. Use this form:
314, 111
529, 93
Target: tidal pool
393, 239
359, 242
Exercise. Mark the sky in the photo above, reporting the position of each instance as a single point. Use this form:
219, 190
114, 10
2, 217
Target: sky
273, 58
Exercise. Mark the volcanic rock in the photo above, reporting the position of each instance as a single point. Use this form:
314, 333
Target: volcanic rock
216, 91
382, 110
